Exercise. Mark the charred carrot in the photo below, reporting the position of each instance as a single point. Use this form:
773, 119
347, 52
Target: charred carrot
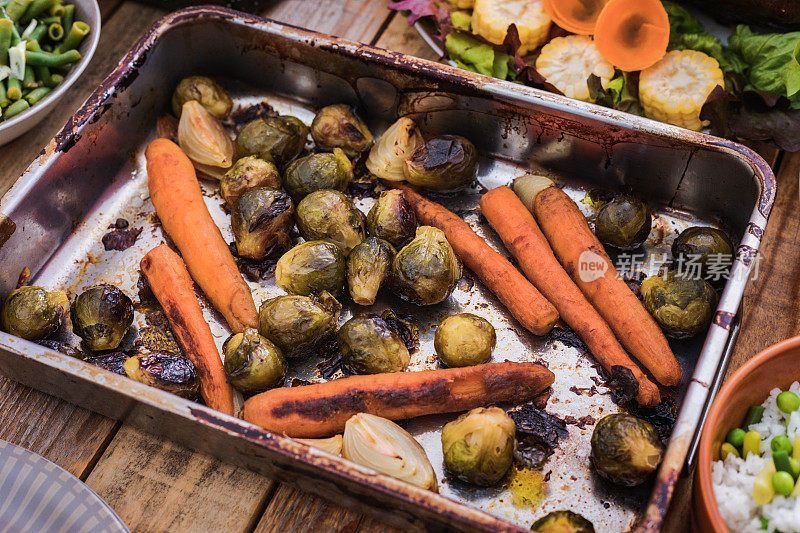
322, 409
523, 238
586, 261
172, 286
521, 298
176, 195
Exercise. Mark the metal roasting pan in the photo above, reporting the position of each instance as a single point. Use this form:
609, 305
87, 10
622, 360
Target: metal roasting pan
93, 172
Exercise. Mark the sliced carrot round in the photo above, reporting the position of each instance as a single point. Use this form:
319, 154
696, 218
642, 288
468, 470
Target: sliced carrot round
632, 34
576, 16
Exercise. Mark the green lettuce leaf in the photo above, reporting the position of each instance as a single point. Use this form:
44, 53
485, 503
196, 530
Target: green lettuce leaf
461, 20
620, 93
681, 21
688, 33
471, 54
772, 61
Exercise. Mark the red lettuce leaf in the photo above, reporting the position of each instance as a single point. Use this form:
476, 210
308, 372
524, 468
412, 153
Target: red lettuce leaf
418, 9
526, 72
753, 115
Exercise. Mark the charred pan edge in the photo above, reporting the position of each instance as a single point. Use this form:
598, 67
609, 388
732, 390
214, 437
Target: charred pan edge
689, 424
286, 459
724, 319
697, 394
7, 229
755, 231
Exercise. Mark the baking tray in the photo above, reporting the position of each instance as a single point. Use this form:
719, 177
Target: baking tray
93, 172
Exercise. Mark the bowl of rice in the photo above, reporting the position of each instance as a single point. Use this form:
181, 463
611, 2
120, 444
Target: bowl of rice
748, 468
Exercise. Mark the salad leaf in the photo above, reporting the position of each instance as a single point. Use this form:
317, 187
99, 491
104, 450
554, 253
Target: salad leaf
418, 9
754, 115
620, 93
688, 33
476, 56
772, 61
525, 73
461, 20
681, 21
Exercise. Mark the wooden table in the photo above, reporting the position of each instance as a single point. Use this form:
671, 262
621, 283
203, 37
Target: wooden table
155, 485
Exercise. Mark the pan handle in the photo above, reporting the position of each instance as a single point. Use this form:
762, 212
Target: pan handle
719, 377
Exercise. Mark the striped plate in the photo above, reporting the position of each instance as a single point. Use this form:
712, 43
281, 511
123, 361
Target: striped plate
37, 495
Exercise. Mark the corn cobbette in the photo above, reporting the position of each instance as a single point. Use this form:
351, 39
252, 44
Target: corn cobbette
675, 89
567, 63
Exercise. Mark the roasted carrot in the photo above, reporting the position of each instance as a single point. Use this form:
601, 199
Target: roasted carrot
322, 409
176, 195
586, 261
521, 298
523, 238
632, 34
172, 286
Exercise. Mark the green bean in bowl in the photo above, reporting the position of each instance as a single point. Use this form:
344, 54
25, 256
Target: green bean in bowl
44, 47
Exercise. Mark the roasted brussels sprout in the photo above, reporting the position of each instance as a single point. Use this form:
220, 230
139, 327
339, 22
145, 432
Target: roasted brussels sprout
371, 345
252, 363
311, 267
336, 126
384, 446
330, 215
299, 325
262, 219
166, 371
33, 313
445, 163
708, 248
464, 340
204, 140
316, 172
388, 156
426, 270
625, 449
276, 139
392, 219
562, 522
100, 316
247, 173
624, 222
478, 446
682, 306
368, 266
204, 90
405, 327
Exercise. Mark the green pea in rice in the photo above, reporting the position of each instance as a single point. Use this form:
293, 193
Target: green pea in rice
733, 478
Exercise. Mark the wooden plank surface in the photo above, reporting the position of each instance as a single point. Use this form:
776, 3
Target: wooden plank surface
359, 20
63, 433
292, 510
155, 485
772, 313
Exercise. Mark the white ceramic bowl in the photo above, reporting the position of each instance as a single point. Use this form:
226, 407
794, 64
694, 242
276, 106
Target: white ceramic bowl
86, 11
